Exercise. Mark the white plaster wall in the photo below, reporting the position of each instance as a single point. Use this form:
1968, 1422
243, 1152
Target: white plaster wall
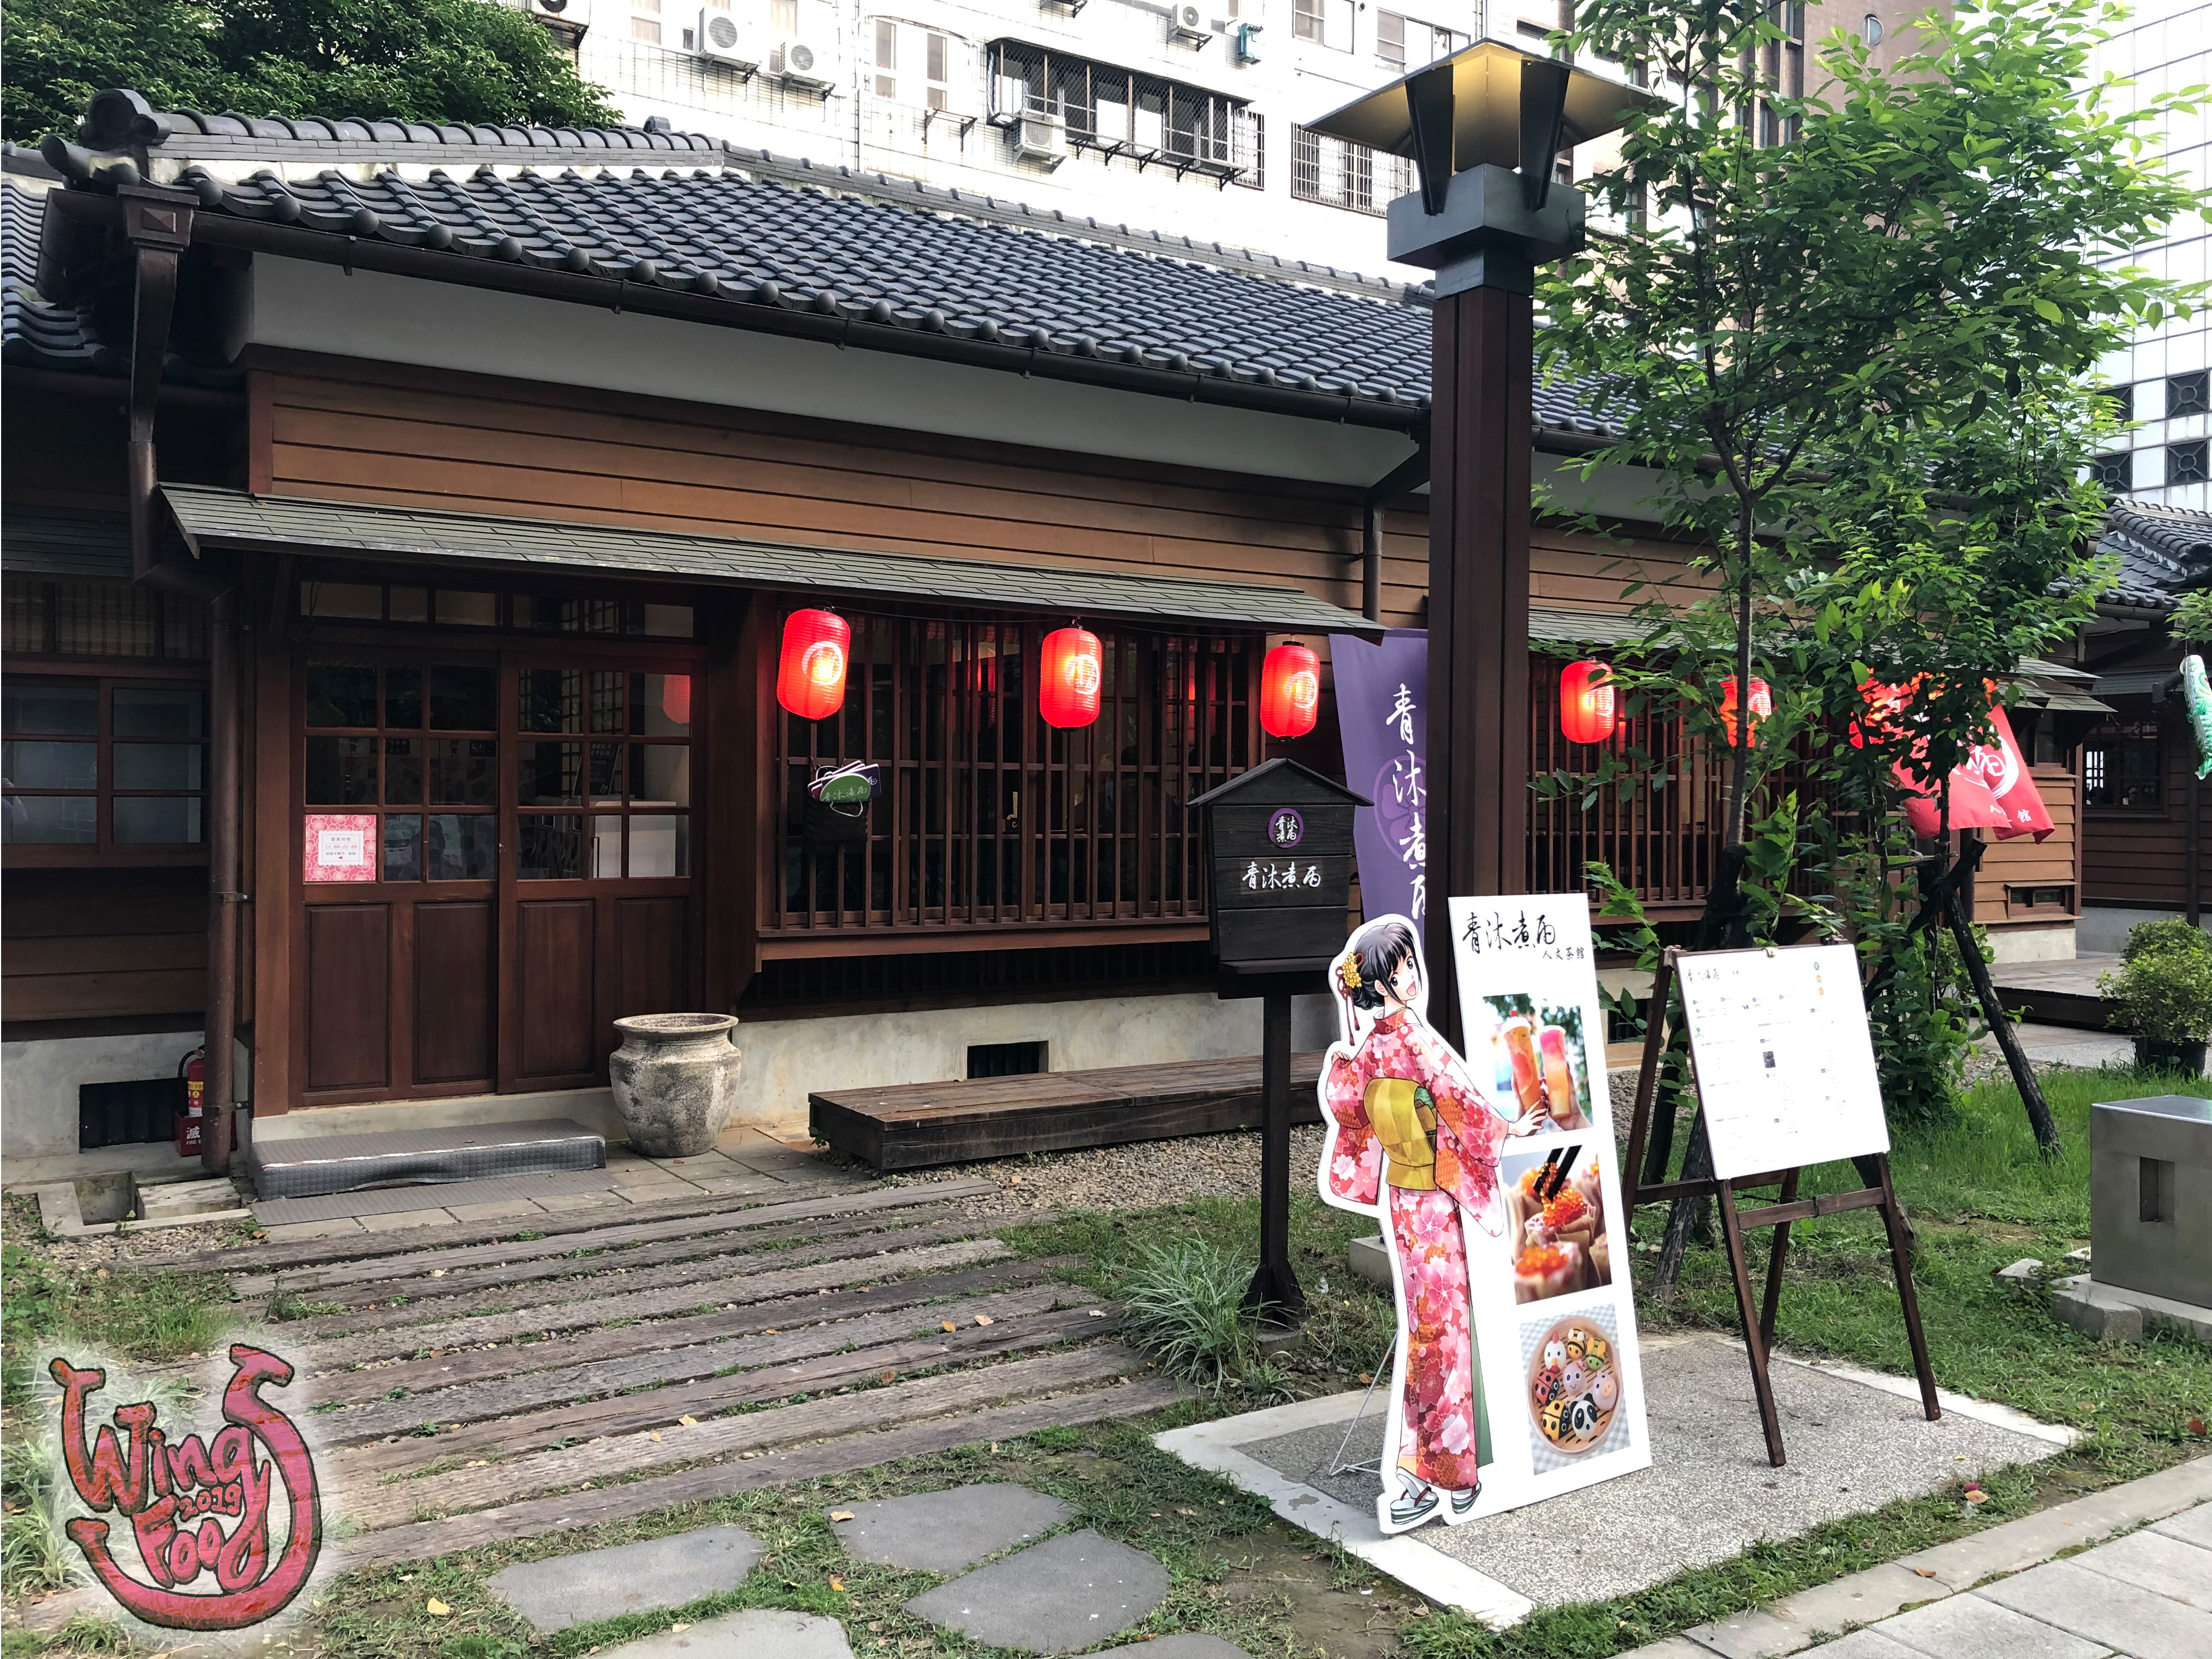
39, 1081
2104, 931
385, 318
787, 1059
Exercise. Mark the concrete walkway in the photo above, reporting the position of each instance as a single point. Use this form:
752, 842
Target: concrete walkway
2144, 1591
2070, 1045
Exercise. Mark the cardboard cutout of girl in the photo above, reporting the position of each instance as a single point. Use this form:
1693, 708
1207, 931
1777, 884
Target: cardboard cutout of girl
1412, 1140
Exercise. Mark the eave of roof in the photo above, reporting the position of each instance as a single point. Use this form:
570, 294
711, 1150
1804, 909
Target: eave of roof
232, 519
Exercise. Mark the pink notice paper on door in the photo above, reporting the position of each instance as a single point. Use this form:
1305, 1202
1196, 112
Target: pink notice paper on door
341, 847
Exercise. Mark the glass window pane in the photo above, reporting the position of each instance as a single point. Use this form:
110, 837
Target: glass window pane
159, 714
552, 847
550, 700
341, 693
464, 699
468, 610
461, 847
403, 697
66, 711
660, 775
403, 847
659, 705
606, 845
403, 771
462, 771
411, 604
169, 818
341, 772
354, 599
159, 765
606, 774
49, 820
549, 775
660, 844
671, 621
604, 692
37, 765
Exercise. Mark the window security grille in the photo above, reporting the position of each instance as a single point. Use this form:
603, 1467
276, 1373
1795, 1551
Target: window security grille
2189, 394
1119, 111
2188, 464
1339, 174
2113, 472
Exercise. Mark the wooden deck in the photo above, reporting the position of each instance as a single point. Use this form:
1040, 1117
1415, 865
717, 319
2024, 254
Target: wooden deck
2056, 992
484, 1383
920, 1124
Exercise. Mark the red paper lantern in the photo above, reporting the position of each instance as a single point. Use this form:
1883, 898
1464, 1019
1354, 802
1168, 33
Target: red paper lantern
676, 697
1586, 703
1072, 676
1762, 708
810, 679
1290, 691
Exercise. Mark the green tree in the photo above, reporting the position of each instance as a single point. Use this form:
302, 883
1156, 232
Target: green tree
1849, 334
425, 60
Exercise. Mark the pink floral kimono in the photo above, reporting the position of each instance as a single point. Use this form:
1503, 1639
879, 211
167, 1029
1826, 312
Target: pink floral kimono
1443, 1416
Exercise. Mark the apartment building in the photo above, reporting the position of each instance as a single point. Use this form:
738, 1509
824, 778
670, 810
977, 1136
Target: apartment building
2163, 379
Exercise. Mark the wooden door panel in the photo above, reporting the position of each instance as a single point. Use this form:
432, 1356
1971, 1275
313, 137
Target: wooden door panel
349, 996
651, 958
557, 1035
454, 957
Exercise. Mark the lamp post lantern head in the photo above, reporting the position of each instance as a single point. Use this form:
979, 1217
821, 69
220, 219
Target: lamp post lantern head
1483, 128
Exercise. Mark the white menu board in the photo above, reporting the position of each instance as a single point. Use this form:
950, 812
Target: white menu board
1785, 1062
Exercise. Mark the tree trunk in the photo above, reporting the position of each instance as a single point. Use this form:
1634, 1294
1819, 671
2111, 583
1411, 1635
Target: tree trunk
2023, 1074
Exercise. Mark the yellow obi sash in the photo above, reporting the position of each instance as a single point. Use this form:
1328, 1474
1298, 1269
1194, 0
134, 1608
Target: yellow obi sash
1405, 1120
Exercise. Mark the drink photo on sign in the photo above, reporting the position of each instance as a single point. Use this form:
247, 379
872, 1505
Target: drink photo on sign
1561, 1235
1538, 1057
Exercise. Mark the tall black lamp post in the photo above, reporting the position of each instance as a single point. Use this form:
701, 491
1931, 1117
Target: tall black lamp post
1485, 128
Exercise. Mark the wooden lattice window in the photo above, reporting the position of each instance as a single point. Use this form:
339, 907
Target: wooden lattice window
985, 816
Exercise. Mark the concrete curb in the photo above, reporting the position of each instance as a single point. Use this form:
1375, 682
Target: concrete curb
1797, 1622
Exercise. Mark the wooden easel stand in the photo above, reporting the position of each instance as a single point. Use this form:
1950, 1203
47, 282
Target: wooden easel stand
1758, 1320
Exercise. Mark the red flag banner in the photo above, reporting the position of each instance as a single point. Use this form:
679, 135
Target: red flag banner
1992, 789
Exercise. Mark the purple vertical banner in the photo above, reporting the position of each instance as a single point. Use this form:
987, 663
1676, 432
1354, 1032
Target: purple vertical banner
1379, 691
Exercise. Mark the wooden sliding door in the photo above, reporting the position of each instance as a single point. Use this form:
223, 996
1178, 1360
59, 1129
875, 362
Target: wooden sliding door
512, 868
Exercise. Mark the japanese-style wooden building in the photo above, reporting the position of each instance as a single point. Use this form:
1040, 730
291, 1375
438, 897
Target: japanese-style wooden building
447, 489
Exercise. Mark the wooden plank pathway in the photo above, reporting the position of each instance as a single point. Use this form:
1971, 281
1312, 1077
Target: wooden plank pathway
509, 1380
916, 1125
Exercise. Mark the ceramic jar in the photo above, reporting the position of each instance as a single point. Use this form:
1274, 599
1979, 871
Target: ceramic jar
675, 1080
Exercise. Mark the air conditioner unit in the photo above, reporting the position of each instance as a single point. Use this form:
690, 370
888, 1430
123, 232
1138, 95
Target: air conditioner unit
728, 37
1040, 138
1248, 42
570, 19
812, 59
1187, 25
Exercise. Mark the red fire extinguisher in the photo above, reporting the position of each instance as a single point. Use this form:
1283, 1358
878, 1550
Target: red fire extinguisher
192, 1115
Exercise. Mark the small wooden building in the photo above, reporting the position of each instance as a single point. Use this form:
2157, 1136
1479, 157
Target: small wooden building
402, 521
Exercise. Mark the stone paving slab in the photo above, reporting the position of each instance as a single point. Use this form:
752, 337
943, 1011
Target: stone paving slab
658, 1572
2166, 1566
1860, 1645
1710, 1493
755, 1633
2192, 1527
946, 1532
2104, 1610
1968, 1627
1188, 1645
1065, 1595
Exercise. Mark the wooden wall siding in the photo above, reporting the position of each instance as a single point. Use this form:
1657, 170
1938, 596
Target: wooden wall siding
2024, 861
126, 949
2139, 858
358, 432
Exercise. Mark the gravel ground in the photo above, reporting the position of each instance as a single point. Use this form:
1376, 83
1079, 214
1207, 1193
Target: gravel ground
1138, 1176
147, 1249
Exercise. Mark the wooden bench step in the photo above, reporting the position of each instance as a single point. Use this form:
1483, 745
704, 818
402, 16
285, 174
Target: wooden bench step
917, 1124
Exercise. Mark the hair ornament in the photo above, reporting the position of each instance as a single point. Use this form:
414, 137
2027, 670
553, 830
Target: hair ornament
1349, 972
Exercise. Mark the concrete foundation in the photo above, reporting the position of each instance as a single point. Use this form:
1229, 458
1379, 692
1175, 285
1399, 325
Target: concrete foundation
2105, 929
2044, 942
2106, 1313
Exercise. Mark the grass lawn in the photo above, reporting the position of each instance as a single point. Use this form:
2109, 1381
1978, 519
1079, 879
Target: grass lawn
1979, 1193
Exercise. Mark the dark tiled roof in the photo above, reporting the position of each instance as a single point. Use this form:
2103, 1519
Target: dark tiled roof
231, 518
756, 232
2161, 550
36, 333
